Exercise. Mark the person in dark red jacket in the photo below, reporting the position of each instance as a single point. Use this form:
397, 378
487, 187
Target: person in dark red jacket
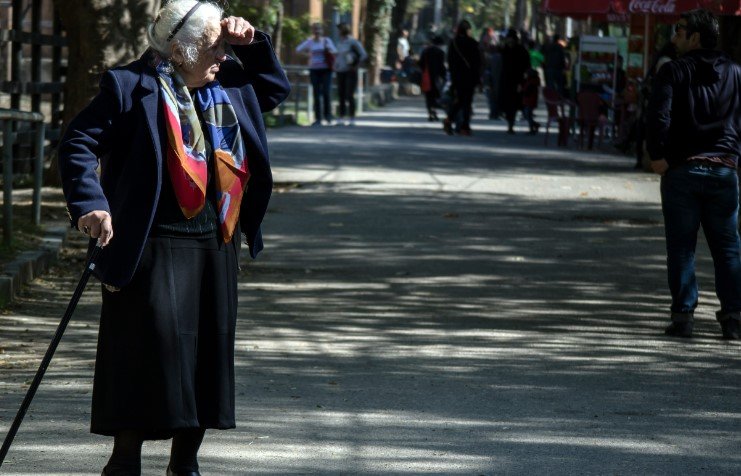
694, 139
179, 138
530, 92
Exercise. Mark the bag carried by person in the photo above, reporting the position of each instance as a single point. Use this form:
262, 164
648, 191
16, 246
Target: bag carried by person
329, 57
352, 57
426, 84
447, 96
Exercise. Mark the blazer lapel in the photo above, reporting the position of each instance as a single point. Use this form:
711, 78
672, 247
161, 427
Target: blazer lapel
150, 103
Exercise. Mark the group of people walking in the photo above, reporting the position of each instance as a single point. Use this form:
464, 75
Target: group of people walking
326, 58
503, 69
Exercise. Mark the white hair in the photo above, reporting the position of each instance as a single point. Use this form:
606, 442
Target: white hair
190, 36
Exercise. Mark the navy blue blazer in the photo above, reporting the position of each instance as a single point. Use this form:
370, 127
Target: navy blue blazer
123, 129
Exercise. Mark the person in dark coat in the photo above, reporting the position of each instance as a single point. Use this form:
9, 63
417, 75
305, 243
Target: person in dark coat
554, 65
694, 119
432, 60
464, 62
667, 53
515, 62
179, 138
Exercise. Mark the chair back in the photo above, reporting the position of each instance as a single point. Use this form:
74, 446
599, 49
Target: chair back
552, 102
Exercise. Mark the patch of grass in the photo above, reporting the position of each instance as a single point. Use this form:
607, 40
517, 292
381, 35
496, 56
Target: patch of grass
26, 235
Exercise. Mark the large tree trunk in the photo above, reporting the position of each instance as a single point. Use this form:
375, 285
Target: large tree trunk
376, 28
100, 34
278, 29
398, 17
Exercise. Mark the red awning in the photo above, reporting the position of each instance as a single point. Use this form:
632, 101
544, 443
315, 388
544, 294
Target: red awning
675, 7
597, 9
584, 8
576, 7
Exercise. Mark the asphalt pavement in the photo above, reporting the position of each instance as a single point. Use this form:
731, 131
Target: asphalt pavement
428, 304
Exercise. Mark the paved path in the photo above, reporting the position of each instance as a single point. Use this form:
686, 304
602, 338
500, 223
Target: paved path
429, 305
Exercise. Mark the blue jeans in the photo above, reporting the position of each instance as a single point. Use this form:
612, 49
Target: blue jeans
695, 194
321, 84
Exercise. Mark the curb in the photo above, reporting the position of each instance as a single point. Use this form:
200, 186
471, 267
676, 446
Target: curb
29, 265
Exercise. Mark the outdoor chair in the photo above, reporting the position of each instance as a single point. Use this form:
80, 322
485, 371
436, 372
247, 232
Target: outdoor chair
557, 113
589, 118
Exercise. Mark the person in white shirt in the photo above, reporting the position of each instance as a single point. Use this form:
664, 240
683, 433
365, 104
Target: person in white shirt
403, 49
350, 55
322, 53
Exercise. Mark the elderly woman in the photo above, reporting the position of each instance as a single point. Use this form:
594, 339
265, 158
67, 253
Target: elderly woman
184, 171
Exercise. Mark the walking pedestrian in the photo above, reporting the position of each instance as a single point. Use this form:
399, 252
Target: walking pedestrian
694, 119
492, 71
432, 64
403, 53
350, 54
530, 93
515, 62
322, 53
464, 62
184, 172
665, 54
555, 65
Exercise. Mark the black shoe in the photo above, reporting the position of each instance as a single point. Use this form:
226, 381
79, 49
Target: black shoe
680, 329
731, 329
119, 472
448, 127
184, 473
729, 324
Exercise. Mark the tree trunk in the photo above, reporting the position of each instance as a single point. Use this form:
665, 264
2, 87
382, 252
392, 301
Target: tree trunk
376, 28
278, 29
398, 16
100, 34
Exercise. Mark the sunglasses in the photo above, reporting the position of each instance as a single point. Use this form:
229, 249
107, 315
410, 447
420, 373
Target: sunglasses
679, 26
222, 4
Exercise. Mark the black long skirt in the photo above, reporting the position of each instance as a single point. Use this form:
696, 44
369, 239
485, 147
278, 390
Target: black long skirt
165, 356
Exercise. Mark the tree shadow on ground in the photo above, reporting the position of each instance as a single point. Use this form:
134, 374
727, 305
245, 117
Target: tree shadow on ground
420, 331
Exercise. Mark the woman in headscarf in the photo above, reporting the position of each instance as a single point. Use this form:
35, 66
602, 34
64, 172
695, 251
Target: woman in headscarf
180, 141
432, 63
515, 62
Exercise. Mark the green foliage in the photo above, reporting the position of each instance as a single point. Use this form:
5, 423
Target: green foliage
264, 15
296, 30
343, 6
414, 6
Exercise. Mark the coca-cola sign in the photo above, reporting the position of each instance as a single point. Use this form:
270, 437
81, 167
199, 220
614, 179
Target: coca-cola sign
659, 7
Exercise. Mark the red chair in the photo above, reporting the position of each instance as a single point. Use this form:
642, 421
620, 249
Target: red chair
589, 117
556, 106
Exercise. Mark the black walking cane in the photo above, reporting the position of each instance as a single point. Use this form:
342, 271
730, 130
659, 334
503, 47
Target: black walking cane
49, 353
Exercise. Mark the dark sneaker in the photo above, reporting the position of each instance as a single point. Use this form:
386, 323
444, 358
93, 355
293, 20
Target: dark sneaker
730, 324
731, 329
680, 329
448, 127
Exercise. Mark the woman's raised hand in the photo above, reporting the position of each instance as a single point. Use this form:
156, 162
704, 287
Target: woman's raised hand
237, 31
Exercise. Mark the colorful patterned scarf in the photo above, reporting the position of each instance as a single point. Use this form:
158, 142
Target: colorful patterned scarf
186, 151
